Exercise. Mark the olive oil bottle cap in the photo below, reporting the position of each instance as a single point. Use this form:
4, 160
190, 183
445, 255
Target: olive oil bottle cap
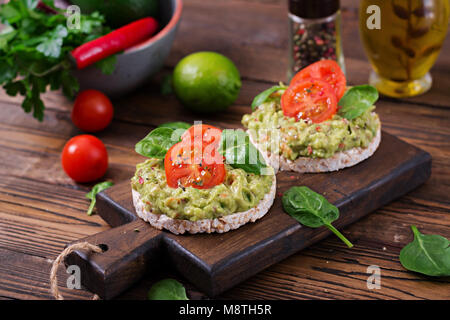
313, 9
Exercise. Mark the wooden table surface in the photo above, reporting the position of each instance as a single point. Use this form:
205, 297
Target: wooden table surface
41, 209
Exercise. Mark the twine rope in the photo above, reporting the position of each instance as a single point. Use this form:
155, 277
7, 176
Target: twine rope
60, 259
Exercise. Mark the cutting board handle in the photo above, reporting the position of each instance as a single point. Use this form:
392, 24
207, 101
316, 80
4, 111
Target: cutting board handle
129, 251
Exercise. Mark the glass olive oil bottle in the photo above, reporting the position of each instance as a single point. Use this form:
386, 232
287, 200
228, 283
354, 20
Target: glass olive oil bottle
406, 45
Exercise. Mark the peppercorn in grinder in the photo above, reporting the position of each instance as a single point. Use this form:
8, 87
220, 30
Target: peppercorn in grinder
314, 33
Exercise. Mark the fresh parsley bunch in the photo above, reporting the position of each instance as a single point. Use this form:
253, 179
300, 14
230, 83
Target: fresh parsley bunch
35, 51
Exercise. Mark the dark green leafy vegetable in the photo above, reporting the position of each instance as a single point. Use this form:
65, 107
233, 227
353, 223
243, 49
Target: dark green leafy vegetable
99, 187
240, 153
176, 125
158, 142
265, 95
427, 254
167, 289
357, 100
34, 51
312, 210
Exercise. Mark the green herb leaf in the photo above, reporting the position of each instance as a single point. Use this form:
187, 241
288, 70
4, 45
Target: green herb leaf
9, 13
239, 152
13, 88
69, 83
51, 46
176, 125
357, 100
166, 85
158, 142
36, 46
6, 35
311, 209
264, 96
99, 187
167, 289
107, 65
427, 254
8, 71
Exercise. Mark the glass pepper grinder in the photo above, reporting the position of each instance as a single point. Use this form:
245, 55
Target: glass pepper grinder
314, 33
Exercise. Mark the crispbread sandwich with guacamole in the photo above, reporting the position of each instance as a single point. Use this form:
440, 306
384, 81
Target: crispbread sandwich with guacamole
317, 123
201, 179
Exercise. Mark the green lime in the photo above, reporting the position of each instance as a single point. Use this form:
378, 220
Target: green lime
120, 12
206, 81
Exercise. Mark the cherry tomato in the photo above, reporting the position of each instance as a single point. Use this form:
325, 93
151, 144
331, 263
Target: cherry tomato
326, 70
193, 164
92, 111
84, 158
311, 99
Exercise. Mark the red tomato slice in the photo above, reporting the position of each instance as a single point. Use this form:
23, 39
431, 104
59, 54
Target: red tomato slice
185, 165
326, 70
310, 99
202, 134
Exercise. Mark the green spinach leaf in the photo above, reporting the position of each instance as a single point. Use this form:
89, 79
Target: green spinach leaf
239, 152
312, 210
158, 142
357, 100
264, 96
167, 289
99, 187
176, 125
428, 254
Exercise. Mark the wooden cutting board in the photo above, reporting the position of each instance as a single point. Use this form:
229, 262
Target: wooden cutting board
216, 262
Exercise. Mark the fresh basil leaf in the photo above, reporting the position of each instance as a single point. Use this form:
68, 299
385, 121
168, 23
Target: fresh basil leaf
99, 187
311, 209
263, 96
239, 152
158, 142
107, 65
167, 289
427, 254
357, 100
176, 125
166, 85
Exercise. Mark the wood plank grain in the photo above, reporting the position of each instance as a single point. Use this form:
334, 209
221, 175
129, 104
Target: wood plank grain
27, 277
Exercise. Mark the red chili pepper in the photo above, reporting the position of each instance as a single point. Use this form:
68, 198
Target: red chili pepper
115, 41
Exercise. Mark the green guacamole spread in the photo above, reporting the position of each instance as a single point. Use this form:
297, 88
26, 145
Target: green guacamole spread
303, 139
239, 192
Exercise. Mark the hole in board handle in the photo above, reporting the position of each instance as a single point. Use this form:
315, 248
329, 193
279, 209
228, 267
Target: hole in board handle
103, 246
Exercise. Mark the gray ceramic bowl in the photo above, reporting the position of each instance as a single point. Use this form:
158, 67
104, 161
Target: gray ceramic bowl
137, 64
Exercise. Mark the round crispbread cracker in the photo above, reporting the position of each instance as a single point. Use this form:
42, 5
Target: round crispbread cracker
338, 161
220, 225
